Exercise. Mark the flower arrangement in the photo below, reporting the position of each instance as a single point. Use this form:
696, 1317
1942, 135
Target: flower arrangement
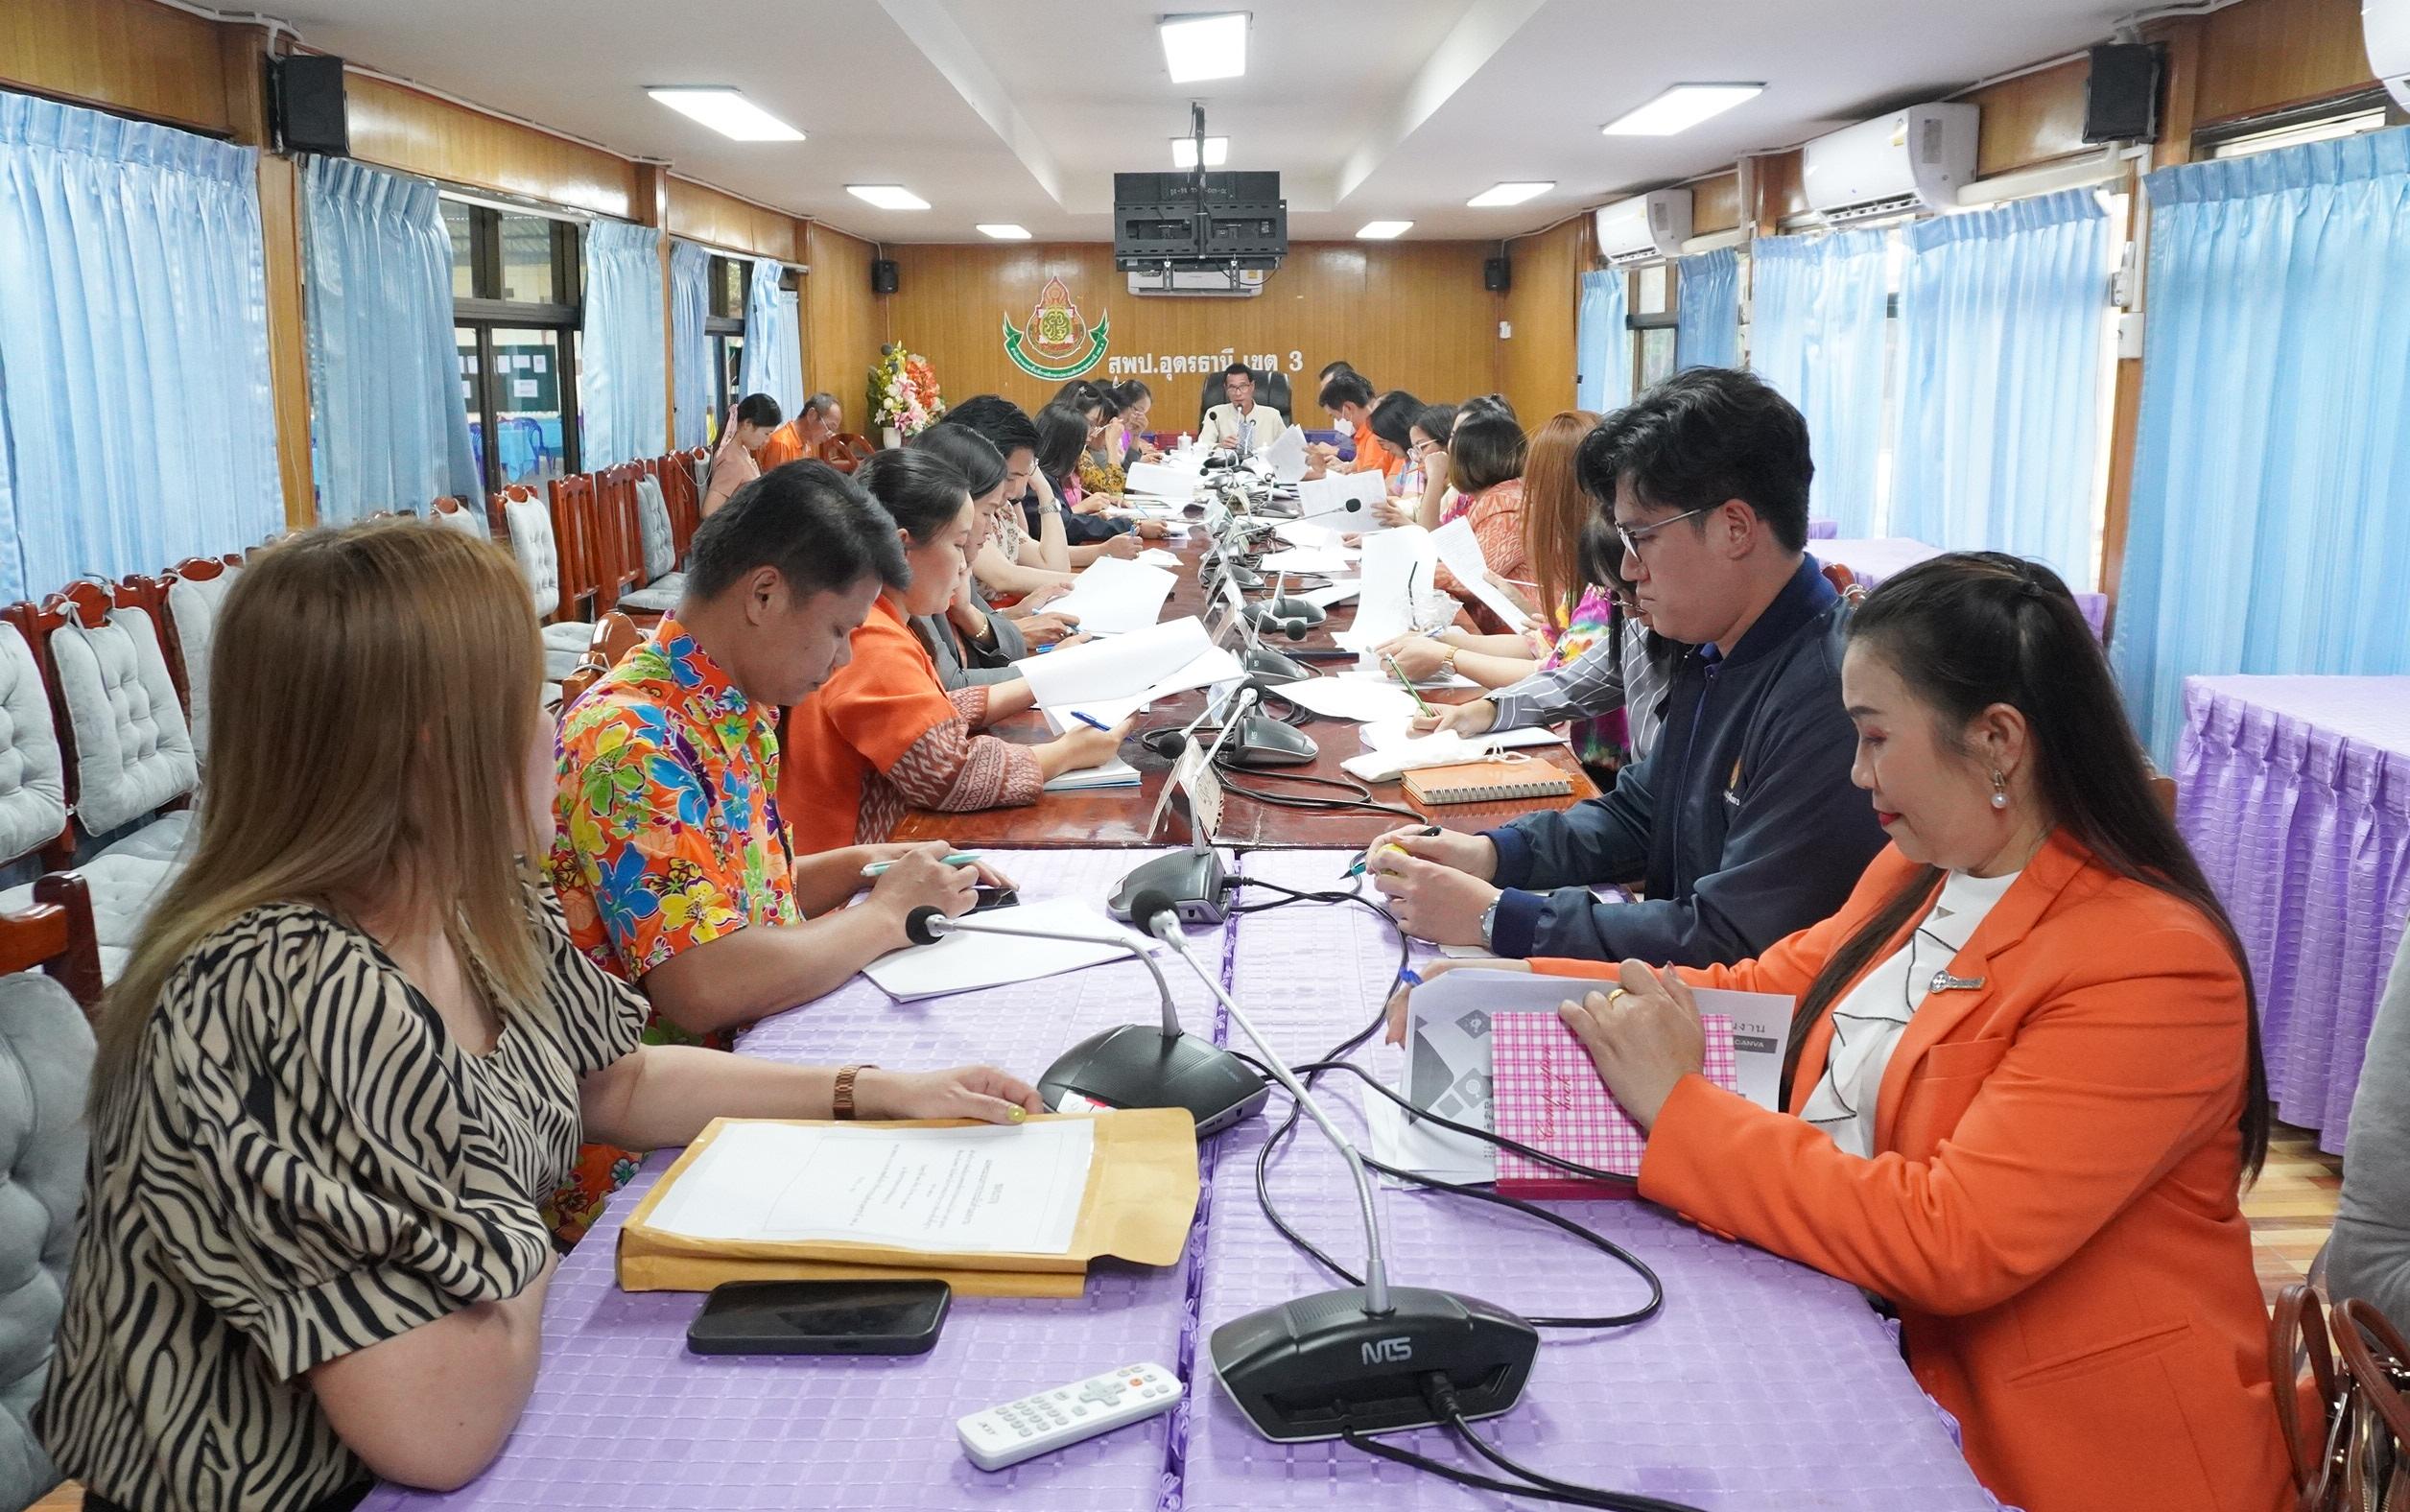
904, 392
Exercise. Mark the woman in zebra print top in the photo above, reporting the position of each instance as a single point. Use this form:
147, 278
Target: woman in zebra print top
353, 1052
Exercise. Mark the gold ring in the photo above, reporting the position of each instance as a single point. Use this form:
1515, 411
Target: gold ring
1620, 992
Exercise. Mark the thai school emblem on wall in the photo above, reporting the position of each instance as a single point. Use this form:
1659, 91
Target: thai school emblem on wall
1056, 342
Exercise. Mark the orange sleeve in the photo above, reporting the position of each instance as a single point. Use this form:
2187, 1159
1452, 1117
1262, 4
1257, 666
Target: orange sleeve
2124, 1069
785, 445
883, 701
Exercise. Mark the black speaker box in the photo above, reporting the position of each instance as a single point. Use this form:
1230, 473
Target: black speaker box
1496, 274
2121, 100
883, 277
305, 103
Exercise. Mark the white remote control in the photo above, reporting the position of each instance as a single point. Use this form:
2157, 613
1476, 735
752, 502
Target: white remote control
1013, 1431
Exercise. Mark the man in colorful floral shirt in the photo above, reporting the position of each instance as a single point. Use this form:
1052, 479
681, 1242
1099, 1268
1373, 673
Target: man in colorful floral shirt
668, 855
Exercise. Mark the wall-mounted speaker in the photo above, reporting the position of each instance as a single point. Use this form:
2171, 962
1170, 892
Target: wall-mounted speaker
1496, 274
2121, 98
883, 277
305, 104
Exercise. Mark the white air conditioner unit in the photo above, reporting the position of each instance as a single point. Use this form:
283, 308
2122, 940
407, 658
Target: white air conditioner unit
1911, 159
2386, 26
1645, 227
1198, 283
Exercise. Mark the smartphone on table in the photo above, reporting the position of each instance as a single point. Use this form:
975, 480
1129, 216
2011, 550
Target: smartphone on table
820, 1317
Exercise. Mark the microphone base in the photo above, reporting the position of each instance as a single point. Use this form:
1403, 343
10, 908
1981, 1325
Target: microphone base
1262, 740
1139, 1066
1248, 580
1273, 610
1193, 881
1268, 668
1310, 1368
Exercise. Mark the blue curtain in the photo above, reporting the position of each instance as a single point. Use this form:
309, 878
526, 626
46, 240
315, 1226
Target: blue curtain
1602, 344
389, 420
773, 352
690, 304
2002, 318
1709, 310
2268, 532
622, 384
1816, 333
136, 427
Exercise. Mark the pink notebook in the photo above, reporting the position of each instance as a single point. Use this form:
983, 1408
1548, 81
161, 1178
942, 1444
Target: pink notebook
1545, 1093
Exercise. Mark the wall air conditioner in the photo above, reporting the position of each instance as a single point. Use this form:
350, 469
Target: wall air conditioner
2386, 26
1198, 283
1645, 227
1911, 159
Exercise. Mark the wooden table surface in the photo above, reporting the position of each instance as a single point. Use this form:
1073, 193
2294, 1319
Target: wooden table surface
1108, 816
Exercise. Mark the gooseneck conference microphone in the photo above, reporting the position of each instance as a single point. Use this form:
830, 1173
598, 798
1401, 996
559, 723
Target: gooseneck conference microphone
1354, 1360
1130, 1065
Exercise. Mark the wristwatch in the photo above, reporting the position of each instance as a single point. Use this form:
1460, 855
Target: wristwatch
1489, 922
842, 1101
1448, 659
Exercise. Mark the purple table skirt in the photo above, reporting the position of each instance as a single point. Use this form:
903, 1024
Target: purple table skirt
2294, 794
1761, 1384
623, 1416
1822, 529
1874, 559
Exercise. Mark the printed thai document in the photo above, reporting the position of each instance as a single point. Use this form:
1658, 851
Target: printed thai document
1460, 551
1011, 1190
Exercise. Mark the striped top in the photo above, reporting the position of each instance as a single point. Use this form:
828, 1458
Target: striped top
305, 1162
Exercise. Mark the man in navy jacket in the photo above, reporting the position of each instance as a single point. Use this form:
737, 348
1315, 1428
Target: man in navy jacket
1742, 825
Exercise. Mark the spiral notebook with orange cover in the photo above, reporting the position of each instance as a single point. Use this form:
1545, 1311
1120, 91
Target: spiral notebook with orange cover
1487, 782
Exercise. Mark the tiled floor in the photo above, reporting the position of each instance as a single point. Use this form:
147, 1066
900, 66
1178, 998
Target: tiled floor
2290, 1210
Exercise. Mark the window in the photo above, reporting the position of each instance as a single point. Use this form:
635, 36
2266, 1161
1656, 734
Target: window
2369, 110
514, 309
724, 326
1655, 312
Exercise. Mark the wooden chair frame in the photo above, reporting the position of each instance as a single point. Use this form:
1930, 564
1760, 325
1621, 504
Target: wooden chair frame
58, 936
846, 451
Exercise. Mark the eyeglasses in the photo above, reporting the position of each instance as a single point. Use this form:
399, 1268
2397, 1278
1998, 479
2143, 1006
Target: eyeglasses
1424, 448
1634, 539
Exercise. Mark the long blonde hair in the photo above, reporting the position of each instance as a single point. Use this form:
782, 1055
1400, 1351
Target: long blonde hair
374, 692
1555, 511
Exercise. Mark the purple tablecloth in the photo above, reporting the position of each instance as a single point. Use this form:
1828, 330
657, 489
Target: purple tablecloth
1821, 529
2294, 794
1875, 560
623, 1416
1761, 1384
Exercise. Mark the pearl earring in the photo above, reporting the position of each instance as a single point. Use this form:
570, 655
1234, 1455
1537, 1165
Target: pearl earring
2000, 789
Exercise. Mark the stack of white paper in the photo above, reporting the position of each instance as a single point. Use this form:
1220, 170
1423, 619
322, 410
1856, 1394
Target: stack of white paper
1157, 557
974, 962
1338, 591
1115, 773
1165, 479
1461, 549
1002, 1191
1398, 735
1323, 559
1307, 534
1113, 597
1150, 663
1286, 457
1351, 699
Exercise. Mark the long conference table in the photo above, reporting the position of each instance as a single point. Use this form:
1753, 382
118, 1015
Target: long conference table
1760, 1385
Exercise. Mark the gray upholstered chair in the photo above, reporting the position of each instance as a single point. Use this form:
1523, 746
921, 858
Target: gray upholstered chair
194, 593
45, 1070
532, 543
664, 583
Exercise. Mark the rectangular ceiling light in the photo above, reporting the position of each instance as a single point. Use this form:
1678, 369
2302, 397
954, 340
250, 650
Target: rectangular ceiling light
1184, 151
1201, 47
1005, 233
887, 197
1384, 230
1508, 194
727, 112
1680, 109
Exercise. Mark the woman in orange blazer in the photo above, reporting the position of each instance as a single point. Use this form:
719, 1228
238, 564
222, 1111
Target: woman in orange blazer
2025, 1079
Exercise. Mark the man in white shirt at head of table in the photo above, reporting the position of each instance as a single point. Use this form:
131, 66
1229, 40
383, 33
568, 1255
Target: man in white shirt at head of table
1242, 425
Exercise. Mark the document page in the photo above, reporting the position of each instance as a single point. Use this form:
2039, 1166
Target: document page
1004, 1189
1113, 597
1396, 565
1461, 551
1168, 480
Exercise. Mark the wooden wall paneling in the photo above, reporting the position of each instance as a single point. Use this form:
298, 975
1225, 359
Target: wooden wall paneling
242, 59
1538, 363
844, 323
1410, 314
2263, 54
2033, 118
700, 213
1777, 190
1715, 205
130, 55
2180, 107
397, 126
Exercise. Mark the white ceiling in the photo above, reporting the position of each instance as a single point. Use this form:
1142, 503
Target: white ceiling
1021, 110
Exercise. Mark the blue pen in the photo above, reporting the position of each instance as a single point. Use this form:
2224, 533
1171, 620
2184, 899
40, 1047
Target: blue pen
1410, 977
1091, 721
878, 868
